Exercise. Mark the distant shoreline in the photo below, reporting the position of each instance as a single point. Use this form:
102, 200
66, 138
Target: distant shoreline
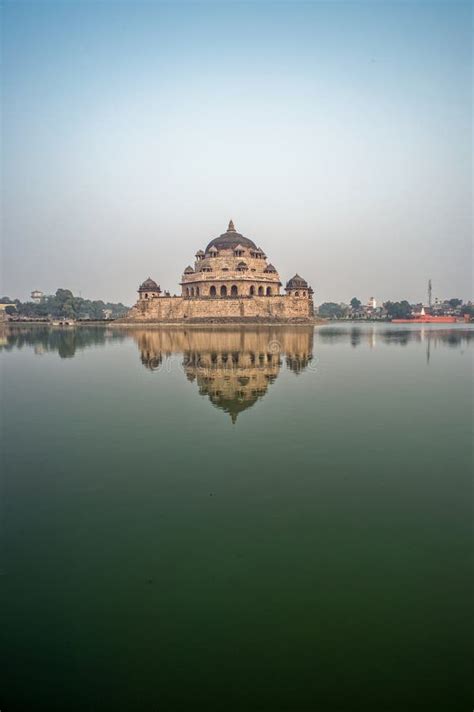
158, 325
116, 324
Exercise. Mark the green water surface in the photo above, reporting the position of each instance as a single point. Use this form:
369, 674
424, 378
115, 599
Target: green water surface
236, 519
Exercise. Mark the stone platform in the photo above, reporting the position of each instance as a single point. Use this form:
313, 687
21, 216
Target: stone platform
279, 309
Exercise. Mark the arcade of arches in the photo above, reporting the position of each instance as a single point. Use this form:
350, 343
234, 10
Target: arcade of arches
235, 290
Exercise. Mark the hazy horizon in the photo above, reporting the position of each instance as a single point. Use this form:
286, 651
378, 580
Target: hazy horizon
337, 136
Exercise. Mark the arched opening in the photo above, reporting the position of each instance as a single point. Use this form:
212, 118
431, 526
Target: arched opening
146, 295
187, 291
212, 291
197, 291
269, 291
192, 291
304, 294
252, 290
260, 291
223, 291
233, 291
297, 294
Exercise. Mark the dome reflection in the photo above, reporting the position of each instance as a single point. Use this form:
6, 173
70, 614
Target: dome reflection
232, 367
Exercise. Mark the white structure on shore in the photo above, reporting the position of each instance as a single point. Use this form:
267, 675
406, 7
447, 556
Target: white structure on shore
36, 296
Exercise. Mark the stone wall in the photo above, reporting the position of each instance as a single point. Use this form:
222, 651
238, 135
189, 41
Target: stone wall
280, 309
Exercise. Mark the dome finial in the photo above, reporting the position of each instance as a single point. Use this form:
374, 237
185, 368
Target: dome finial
231, 227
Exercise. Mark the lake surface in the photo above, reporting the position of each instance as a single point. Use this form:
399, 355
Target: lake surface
237, 519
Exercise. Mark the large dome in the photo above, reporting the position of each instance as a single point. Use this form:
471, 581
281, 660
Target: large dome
231, 239
149, 285
297, 282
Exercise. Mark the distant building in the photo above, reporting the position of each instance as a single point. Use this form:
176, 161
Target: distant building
372, 303
37, 296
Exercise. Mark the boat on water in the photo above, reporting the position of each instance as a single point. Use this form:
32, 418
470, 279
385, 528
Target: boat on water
424, 318
427, 319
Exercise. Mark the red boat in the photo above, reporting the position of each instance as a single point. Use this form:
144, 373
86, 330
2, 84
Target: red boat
426, 319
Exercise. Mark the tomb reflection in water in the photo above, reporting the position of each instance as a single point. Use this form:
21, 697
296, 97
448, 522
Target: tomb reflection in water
233, 368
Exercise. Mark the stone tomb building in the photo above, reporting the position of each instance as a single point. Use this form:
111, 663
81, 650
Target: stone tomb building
231, 281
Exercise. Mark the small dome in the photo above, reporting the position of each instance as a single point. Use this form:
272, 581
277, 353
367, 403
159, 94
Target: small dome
199, 253
189, 270
242, 265
230, 240
297, 282
149, 285
270, 268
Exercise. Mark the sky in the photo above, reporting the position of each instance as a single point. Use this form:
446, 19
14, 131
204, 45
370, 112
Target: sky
336, 135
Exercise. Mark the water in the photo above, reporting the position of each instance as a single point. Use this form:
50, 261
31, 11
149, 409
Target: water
236, 519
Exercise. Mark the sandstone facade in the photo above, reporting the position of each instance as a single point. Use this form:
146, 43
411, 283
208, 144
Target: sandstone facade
231, 281
281, 309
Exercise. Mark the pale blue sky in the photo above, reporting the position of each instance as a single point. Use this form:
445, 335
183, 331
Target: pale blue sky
336, 135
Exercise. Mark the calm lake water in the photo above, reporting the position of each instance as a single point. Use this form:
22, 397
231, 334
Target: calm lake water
237, 519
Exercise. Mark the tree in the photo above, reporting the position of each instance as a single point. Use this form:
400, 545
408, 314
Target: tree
398, 310
331, 310
355, 303
455, 302
65, 303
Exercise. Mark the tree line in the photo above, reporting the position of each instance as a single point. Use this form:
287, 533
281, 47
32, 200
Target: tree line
393, 310
63, 304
